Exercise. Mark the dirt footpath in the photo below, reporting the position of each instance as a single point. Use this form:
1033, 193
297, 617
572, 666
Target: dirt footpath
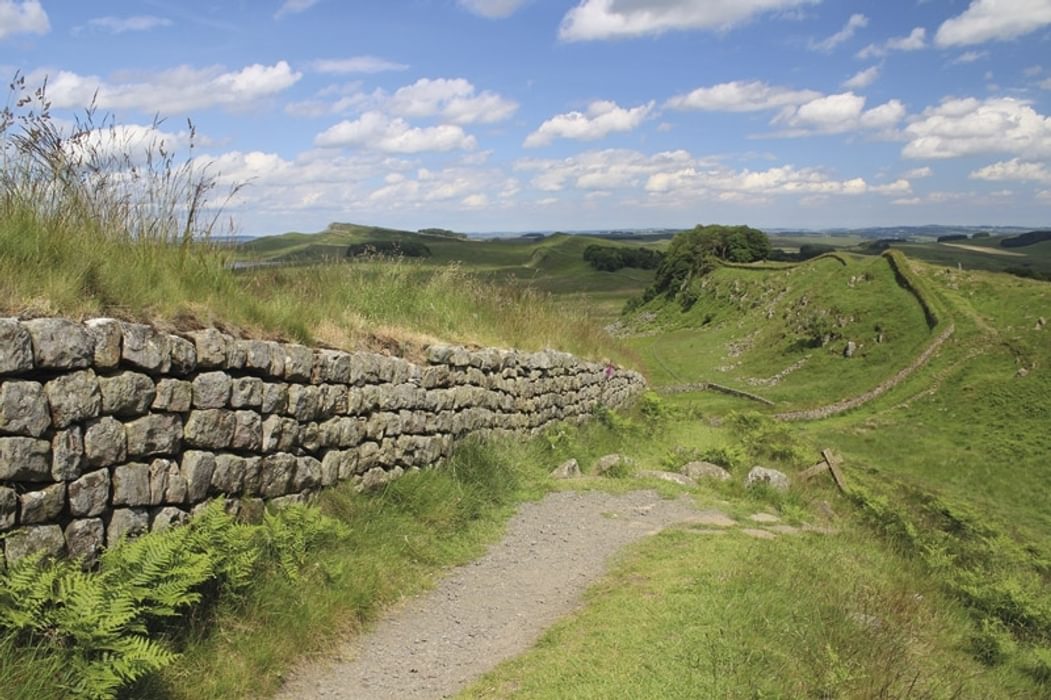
496, 607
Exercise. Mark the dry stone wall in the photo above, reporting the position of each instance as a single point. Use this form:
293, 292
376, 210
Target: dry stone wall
110, 429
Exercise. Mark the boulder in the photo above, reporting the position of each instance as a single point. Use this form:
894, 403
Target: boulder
567, 470
769, 477
60, 344
609, 462
16, 347
24, 409
73, 397
705, 470
673, 477
89, 495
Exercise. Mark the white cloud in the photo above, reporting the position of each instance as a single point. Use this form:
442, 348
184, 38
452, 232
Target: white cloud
455, 100
959, 127
990, 20
835, 114
917, 173
970, 56
22, 18
375, 130
913, 41
493, 9
606, 169
862, 79
1045, 84
612, 19
120, 25
1013, 170
602, 118
176, 90
741, 96
856, 22
294, 7
356, 64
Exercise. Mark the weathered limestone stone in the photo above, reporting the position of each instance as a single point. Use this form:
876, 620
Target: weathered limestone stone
84, 540
35, 538
286, 501
157, 478
105, 442
279, 434
229, 474
210, 428
276, 367
67, 454
175, 487
276, 472
25, 459
73, 397
89, 495
127, 394
303, 402
131, 485
197, 469
569, 469
211, 390
310, 437
126, 522
274, 398
236, 355
342, 432
308, 474
174, 395
8, 508
60, 344
257, 354
252, 475
330, 467
184, 356
770, 477
373, 479
24, 409
673, 477
144, 347
16, 347
43, 505
246, 392
610, 461
248, 431
252, 510
165, 518
332, 400
705, 470
210, 346
155, 434
299, 363
107, 336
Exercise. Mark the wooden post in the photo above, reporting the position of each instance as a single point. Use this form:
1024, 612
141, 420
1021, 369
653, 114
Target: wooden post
830, 463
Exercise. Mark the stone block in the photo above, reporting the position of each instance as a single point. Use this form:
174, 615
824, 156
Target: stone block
248, 431
67, 454
175, 487
246, 392
211, 390
35, 538
146, 348
256, 354
24, 409
84, 540
131, 485
89, 495
16, 347
210, 346
303, 402
252, 476
299, 362
333, 367
105, 442
330, 467
25, 459
165, 518
276, 473
155, 434
279, 434
252, 510
59, 343
127, 394
307, 475
197, 468
157, 476
210, 428
276, 368
124, 523
107, 337
332, 400
184, 356
273, 398
8, 508
173, 395
229, 473
73, 397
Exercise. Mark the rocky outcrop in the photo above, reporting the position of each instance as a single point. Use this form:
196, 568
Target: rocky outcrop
109, 429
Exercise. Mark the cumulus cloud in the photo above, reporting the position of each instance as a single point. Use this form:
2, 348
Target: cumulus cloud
294, 7
741, 96
176, 90
610, 168
917, 173
378, 131
970, 56
120, 25
836, 114
1013, 170
455, 100
356, 64
602, 118
493, 9
991, 20
613, 19
862, 79
856, 22
960, 127
913, 41
22, 18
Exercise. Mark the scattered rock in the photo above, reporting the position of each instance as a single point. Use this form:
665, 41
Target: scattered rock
713, 518
764, 518
609, 462
770, 477
851, 348
705, 470
1022, 372
758, 534
1040, 323
673, 477
567, 470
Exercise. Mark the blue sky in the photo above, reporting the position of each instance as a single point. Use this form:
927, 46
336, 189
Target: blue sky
504, 115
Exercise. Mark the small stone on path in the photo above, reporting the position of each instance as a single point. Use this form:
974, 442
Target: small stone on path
764, 518
758, 534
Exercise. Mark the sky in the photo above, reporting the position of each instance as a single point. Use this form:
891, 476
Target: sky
525, 115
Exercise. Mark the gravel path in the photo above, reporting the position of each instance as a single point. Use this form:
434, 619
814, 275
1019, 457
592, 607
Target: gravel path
496, 607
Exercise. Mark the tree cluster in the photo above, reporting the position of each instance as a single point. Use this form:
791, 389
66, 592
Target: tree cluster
611, 259
696, 252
